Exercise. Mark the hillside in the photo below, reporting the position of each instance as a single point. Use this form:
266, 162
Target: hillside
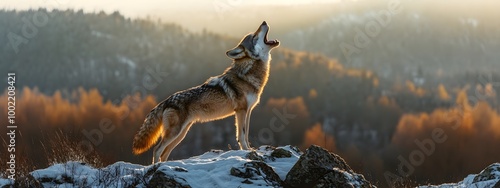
422, 35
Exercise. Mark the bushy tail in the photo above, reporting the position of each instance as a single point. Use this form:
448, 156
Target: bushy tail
149, 132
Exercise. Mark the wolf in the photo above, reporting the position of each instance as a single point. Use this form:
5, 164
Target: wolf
235, 92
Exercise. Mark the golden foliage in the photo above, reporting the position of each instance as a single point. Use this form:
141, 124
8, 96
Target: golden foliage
316, 136
417, 91
442, 93
471, 131
40, 117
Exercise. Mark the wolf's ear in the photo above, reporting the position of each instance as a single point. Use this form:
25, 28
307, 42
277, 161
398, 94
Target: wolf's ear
236, 53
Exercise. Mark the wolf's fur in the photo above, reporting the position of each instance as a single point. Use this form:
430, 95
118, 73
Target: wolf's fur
236, 91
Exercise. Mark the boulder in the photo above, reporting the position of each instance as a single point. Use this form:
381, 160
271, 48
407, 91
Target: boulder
257, 170
160, 180
281, 153
319, 168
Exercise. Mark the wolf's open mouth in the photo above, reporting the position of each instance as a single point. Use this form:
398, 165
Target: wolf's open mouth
269, 42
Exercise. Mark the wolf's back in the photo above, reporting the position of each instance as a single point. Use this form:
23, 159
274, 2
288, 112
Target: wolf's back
150, 130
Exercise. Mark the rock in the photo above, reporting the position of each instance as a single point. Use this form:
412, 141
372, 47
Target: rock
254, 156
266, 148
319, 168
180, 169
160, 180
281, 153
255, 170
489, 173
497, 185
340, 178
246, 181
296, 150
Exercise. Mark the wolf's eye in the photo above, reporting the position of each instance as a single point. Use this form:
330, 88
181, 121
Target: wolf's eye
255, 40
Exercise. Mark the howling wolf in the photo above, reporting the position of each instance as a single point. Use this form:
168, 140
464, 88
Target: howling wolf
236, 91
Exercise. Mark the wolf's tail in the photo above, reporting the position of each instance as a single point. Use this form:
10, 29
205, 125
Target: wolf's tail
150, 130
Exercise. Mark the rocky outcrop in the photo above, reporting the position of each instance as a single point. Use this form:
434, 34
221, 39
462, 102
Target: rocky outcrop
491, 172
266, 166
487, 178
319, 168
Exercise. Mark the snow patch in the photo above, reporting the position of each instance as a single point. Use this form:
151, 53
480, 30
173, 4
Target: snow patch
126, 61
101, 34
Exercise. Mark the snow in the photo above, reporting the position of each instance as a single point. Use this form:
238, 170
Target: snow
281, 165
5, 182
101, 34
353, 180
62, 172
211, 169
127, 61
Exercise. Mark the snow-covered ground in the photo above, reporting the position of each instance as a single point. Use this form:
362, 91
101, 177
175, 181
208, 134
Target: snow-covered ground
265, 167
211, 169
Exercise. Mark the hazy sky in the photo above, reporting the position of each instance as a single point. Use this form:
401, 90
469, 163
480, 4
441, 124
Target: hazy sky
138, 8
238, 17
220, 16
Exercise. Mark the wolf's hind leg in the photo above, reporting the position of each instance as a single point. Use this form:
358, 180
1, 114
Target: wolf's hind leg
176, 141
155, 150
166, 140
171, 129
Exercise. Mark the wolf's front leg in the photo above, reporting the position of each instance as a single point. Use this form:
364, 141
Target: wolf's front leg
241, 116
247, 127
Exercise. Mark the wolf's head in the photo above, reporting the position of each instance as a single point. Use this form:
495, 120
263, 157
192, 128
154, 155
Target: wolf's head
254, 45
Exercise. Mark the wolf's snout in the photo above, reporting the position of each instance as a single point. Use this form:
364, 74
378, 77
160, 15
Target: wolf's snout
263, 26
